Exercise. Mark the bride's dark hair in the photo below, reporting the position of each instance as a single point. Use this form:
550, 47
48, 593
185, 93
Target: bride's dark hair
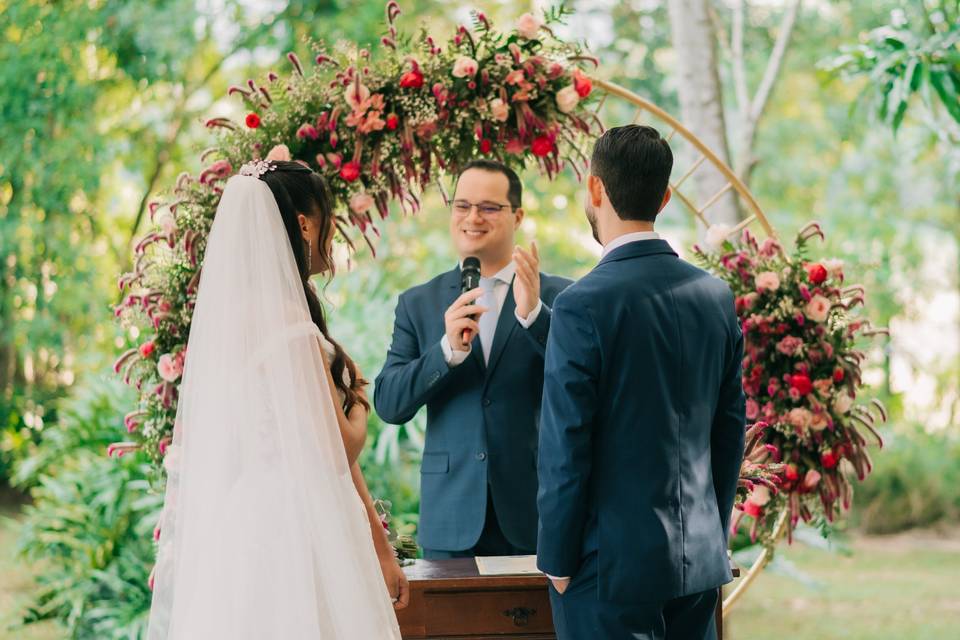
297, 189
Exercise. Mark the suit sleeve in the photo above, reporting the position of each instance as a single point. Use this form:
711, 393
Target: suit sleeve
570, 393
728, 429
409, 378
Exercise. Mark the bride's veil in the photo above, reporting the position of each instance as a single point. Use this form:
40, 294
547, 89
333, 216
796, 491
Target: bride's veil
263, 534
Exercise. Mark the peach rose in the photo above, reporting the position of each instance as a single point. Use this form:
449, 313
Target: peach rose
800, 418
819, 422
499, 110
567, 99
817, 309
843, 403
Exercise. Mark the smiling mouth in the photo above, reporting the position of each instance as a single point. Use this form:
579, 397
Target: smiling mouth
474, 233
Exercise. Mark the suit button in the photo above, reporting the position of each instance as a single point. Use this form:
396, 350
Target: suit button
481, 456
487, 402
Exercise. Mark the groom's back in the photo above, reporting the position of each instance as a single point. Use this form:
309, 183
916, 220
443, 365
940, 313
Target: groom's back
668, 337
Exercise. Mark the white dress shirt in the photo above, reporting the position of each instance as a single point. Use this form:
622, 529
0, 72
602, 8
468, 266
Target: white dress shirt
627, 238
501, 287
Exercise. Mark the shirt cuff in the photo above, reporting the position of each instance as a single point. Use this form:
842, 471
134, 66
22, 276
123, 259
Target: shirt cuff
556, 578
527, 322
452, 358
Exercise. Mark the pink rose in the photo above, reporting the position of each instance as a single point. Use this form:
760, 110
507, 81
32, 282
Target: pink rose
811, 480
528, 26
820, 421
817, 309
279, 153
361, 202
767, 280
170, 367
753, 409
465, 67
567, 99
499, 110
167, 221
789, 345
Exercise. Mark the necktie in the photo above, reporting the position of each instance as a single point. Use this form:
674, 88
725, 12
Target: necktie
488, 321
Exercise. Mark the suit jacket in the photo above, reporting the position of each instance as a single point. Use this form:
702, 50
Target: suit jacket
642, 427
482, 419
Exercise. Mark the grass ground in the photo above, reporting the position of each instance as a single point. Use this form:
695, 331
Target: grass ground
904, 587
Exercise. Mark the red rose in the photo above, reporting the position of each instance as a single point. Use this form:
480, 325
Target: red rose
350, 171
829, 460
752, 509
411, 80
791, 473
253, 120
147, 348
816, 273
582, 84
485, 146
801, 382
542, 146
393, 121
838, 375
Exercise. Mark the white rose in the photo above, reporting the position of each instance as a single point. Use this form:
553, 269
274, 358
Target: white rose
717, 234
817, 309
567, 99
760, 495
843, 403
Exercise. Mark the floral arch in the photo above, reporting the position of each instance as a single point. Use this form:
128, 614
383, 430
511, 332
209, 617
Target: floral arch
381, 125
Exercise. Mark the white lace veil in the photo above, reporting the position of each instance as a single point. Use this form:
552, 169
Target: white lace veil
263, 534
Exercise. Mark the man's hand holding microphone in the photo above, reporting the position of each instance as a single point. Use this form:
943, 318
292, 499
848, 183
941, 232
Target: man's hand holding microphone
461, 318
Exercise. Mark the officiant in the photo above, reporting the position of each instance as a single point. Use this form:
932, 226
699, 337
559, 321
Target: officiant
475, 360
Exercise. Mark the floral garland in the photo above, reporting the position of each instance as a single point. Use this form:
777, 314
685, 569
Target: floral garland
801, 377
379, 126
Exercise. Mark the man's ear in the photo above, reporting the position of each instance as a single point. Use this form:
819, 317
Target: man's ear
518, 213
666, 198
595, 189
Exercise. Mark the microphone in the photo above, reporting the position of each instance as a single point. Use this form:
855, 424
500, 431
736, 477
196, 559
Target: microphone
469, 280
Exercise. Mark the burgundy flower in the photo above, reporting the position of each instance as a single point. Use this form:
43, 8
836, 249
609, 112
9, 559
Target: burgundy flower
411, 79
816, 273
350, 171
801, 382
393, 121
542, 146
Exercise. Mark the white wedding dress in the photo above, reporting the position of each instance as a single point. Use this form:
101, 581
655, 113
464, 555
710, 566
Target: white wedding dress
263, 535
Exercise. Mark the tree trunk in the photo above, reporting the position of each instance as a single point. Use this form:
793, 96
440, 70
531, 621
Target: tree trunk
701, 100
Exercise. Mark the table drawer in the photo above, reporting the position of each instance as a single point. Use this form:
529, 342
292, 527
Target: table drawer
487, 612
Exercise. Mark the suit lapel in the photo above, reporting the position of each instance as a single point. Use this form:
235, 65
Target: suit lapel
506, 323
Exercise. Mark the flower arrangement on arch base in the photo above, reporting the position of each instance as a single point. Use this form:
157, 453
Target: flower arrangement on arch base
380, 125
801, 377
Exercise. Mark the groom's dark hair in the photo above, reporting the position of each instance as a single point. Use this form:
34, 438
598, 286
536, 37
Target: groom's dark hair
515, 188
633, 162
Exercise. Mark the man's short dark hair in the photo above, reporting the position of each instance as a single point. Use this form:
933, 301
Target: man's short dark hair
634, 164
515, 189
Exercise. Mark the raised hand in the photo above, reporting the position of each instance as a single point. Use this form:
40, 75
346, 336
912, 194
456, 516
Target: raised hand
526, 286
460, 320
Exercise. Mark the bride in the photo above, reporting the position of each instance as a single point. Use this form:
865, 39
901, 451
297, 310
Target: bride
268, 530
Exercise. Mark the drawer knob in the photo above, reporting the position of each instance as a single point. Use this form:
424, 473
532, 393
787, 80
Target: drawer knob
520, 615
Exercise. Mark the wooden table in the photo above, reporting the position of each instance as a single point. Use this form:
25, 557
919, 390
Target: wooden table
450, 599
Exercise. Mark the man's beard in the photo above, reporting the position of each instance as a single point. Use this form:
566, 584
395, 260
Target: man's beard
592, 219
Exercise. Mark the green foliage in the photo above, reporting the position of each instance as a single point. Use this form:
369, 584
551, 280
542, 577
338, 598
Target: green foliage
88, 529
916, 483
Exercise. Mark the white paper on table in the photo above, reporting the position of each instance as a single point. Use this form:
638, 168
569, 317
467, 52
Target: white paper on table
507, 565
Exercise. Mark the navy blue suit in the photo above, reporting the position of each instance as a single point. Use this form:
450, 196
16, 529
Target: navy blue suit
641, 441
482, 419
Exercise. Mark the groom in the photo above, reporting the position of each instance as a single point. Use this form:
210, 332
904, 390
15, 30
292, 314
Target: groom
479, 469
642, 427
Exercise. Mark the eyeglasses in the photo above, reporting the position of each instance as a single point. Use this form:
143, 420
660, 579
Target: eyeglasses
488, 209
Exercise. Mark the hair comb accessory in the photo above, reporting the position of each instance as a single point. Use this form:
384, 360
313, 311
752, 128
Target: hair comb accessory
256, 168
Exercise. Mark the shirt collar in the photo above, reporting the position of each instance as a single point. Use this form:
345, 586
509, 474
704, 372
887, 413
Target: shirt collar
627, 238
